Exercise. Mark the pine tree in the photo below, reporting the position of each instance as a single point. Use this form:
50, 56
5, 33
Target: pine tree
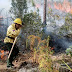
18, 8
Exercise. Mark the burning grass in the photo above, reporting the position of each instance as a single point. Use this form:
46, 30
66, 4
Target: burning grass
41, 56
3, 54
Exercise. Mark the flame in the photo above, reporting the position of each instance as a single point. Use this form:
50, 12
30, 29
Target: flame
3, 54
52, 48
2, 51
65, 6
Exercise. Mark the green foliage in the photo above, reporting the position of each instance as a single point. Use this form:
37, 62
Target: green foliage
67, 65
69, 51
32, 21
67, 27
64, 29
32, 24
33, 4
42, 54
18, 8
45, 61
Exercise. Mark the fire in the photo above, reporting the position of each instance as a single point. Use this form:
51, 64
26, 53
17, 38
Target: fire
2, 51
65, 6
3, 54
52, 48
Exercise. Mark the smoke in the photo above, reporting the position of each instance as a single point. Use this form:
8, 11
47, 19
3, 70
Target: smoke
3, 29
58, 42
5, 21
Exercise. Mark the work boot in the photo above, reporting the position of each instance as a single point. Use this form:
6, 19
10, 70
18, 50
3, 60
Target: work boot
9, 64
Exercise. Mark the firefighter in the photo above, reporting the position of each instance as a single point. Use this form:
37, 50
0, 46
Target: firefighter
12, 31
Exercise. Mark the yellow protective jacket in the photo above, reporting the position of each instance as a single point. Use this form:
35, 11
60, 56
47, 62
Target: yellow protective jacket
11, 32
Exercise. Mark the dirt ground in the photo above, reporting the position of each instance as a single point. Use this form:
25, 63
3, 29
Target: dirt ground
25, 60
21, 61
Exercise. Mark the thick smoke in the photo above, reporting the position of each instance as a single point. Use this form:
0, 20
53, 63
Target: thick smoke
58, 42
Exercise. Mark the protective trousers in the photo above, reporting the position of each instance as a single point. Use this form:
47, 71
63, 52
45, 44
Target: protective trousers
13, 54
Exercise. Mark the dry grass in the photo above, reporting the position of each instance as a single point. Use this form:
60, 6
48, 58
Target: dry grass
42, 54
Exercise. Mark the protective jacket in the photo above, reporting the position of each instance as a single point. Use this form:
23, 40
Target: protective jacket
11, 34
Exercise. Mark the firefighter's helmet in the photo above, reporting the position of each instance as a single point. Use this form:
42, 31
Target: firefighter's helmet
18, 21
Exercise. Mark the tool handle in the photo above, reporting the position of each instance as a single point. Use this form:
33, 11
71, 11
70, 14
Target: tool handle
12, 48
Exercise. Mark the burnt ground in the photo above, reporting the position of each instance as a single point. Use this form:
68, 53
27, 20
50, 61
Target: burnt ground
25, 62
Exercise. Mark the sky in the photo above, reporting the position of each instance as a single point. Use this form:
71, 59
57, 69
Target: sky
5, 4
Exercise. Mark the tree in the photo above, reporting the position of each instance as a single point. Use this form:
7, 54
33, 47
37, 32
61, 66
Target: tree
32, 24
66, 29
32, 21
19, 8
32, 2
